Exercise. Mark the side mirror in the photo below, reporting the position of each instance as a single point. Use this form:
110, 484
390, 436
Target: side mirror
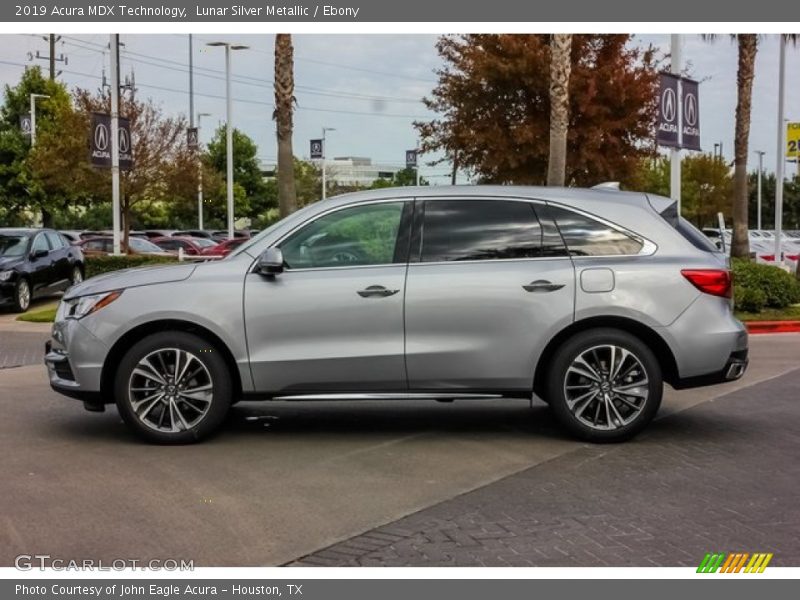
39, 254
270, 262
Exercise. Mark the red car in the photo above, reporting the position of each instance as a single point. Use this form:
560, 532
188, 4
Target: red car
224, 248
191, 246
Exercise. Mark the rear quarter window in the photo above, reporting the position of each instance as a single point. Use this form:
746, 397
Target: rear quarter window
585, 236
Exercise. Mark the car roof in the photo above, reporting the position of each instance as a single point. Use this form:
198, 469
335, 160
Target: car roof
564, 195
21, 230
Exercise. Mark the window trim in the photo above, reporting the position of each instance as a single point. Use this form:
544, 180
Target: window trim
405, 221
418, 235
648, 247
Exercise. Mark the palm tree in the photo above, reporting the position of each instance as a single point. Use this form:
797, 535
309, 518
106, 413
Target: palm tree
748, 46
560, 67
284, 108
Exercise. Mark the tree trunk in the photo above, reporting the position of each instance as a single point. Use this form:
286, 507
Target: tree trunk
748, 45
560, 66
284, 106
47, 219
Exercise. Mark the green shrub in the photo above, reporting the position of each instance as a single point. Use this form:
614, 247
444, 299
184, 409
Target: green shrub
780, 289
97, 265
750, 300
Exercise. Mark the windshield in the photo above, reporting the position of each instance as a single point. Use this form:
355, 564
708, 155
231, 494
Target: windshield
13, 245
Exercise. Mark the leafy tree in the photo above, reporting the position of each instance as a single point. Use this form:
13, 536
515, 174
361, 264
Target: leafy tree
791, 201
406, 177
253, 198
20, 186
493, 98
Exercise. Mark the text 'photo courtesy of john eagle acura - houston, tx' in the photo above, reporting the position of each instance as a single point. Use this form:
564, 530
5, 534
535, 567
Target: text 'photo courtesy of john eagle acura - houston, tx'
587, 299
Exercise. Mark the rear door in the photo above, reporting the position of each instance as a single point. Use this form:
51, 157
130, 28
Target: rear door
41, 266
488, 280
59, 256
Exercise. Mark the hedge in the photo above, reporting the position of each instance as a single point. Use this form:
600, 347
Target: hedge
97, 265
759, 286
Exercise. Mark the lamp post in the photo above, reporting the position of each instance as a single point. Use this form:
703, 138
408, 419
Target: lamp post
34, 98
758, 204
200, 173
228, 126
325, 130
780, 150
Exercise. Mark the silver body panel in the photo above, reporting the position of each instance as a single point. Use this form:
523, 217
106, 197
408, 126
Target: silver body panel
450, 328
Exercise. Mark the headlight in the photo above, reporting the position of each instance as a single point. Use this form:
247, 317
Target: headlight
77, 308
6, 275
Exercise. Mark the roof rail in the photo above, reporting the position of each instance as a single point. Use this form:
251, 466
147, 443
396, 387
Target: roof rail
607, 185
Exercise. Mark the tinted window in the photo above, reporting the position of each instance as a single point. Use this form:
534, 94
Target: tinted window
55, 240
362, 235
456, 230
169, 244
94, 245
13, 245
585, 236
40, 243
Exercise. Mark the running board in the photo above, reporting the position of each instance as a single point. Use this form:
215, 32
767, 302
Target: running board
390, 396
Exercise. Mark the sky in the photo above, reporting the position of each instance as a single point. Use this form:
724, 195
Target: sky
368, 87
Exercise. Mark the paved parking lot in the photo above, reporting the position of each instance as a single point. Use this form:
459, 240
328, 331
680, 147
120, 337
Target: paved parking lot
286, 481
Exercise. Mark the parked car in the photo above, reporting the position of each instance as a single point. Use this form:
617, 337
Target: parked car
588, 299
194, 233
224, 248
102, 246
156, 233
190, 246
72, 236
34, 263
222, 235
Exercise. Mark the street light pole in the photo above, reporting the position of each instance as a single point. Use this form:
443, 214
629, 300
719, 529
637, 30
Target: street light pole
675, 153
229, 128
200, 172
780, 151
325, 130
34, 98
115, 200
760, 170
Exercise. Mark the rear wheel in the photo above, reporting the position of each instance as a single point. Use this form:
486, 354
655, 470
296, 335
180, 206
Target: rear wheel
604, 385
173, 388
22, 295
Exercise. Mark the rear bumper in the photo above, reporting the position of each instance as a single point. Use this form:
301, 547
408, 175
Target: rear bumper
734, 369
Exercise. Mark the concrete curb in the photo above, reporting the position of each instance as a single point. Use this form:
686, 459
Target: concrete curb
756, 327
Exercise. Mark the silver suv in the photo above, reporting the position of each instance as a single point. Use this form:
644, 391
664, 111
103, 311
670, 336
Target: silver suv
588, 299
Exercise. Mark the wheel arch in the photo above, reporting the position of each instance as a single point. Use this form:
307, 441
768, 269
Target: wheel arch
657, 344
142, 330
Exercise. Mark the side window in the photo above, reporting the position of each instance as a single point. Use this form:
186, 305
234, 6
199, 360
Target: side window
455, 230
54, 239
585, 236
40, 243
357, 236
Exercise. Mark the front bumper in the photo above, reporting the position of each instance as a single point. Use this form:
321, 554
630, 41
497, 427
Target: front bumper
6, 293
74, 359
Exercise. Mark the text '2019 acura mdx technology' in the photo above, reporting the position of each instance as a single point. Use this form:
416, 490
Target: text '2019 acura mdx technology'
588, 299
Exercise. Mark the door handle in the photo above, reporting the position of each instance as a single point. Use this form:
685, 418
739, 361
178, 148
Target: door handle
542, 285
376, 291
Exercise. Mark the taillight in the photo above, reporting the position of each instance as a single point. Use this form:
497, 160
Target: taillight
716, 282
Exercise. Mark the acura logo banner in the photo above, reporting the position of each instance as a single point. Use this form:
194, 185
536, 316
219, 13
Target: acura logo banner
668, 93
690, 132
678, 123
101, 142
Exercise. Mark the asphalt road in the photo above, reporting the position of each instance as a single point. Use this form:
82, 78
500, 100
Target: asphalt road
281, 482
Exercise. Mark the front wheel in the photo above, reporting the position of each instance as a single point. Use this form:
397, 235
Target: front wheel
22, 295
604, 385
173, 388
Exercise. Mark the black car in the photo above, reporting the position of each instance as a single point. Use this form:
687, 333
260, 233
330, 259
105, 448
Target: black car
36, 262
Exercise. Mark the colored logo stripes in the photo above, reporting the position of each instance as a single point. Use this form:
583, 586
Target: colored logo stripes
735, 562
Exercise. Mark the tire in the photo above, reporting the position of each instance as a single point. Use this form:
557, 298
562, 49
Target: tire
588, 401
76, 276
22, 296
156, 407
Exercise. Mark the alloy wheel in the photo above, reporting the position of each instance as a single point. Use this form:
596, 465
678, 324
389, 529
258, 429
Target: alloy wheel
23, 295
170, 390
606, 387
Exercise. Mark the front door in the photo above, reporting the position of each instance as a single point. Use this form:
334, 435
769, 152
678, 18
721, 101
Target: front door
332, 321
488, 279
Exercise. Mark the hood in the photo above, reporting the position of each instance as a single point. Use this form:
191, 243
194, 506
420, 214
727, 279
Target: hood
8, 262
127, 278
